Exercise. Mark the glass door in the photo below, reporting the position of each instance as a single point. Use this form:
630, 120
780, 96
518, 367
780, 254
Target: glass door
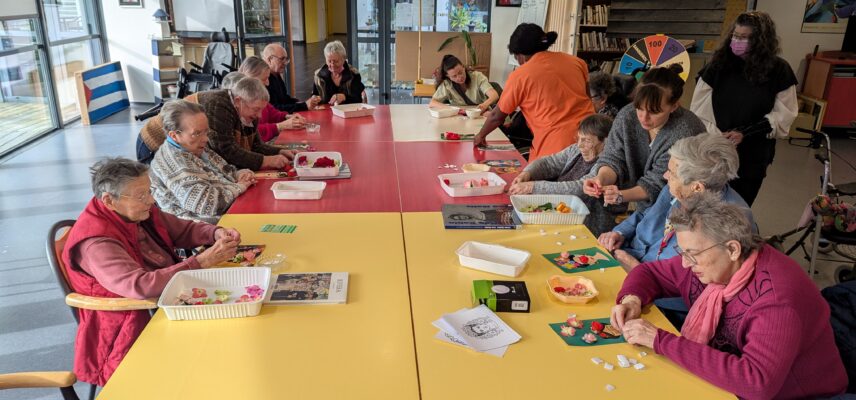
373, 24
74, 40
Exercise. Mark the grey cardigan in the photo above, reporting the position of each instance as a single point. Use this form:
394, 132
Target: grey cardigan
628, 153
548, 168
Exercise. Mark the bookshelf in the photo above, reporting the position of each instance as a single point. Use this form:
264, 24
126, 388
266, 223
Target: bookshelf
593, 45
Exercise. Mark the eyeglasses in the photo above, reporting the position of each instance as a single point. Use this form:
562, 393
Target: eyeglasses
195, 135
141, 198
690, 258
283, 59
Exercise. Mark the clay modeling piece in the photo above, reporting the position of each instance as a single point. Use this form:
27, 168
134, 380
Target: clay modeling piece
589, 338
568, 331
623, 362
574, 322
639, 366
610, 388
547, 208
608, 366
609, 332
596, 327
642, 354
597, 360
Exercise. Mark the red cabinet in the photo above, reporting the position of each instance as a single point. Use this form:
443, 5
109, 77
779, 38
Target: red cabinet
831, 76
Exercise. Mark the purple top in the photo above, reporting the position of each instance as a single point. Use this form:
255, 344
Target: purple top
774, 339
108, 262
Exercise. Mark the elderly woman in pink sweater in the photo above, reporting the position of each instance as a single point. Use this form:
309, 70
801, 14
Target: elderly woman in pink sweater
757, 325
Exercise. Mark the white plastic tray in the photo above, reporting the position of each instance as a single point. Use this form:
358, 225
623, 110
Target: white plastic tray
311, 156
298, 190
492, 258
353, 110
457, 180
443, 112
578, 213
234, 279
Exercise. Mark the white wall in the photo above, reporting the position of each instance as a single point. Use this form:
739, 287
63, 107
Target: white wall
788, 16
503, 21
10, 8
337, 16
128, 32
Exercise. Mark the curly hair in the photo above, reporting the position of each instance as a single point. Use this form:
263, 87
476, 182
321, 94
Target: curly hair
763, 47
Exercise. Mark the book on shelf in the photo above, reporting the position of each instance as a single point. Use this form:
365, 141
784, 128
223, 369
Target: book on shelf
480, 216
309, 288
597, 15
597, 41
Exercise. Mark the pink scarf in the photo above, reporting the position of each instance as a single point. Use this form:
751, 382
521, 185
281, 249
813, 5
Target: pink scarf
704, 315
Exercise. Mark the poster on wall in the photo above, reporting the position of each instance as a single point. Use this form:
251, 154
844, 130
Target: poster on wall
509, 3
131, 3
827, 16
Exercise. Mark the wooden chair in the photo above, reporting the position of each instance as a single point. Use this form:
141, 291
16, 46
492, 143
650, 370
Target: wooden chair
54, 245
64, 380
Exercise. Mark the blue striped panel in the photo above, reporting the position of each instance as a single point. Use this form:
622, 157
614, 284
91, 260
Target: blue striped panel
118, 86
154, 47
112, 67
156, 74
104, 112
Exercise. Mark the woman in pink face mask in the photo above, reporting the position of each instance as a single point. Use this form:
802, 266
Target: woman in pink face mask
748, 93
337, 82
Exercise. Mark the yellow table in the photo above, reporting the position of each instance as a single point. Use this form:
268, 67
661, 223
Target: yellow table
360, 350
540, 366
412, 122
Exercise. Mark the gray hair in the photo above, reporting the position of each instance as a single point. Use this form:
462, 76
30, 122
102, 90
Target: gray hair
253, 66
231, 79
707, 158
597, 125
270, 48
601, 85
335, 47
707, 214
250, 90
111, 175
173, 112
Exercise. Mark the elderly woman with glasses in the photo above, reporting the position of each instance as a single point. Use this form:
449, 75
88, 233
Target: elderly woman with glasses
122, 245
272, 121
233, 116
189, 180
757, 326
337, 82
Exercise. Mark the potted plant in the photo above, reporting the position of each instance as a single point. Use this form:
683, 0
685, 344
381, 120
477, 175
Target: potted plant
471, 58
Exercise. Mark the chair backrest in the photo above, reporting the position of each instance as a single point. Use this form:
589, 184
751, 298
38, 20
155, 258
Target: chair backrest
54, 245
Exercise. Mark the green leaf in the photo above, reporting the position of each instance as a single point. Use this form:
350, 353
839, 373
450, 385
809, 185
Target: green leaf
446, 43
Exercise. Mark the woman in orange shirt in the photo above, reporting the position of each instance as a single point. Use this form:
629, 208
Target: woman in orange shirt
550, 88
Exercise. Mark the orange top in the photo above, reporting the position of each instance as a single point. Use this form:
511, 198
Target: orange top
552, 91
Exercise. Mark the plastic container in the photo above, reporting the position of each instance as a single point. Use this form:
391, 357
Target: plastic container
456, 188
474, 113
578, 213
353, 110
311, 156
443, 112
210, 279
492, 258
475, 167
570, 281
312, 127
298, 190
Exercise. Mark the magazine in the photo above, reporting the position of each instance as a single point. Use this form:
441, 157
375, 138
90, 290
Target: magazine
309, 288
480, 216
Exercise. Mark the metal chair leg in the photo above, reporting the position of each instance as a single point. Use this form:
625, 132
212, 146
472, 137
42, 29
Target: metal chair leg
92, 388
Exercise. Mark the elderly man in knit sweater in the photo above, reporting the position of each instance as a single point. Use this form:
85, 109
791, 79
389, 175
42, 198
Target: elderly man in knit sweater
757, 325
233, 116
189, 180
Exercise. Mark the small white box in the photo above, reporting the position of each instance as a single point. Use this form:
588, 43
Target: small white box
298, 190
443, 112
492, 258
233, 279
353, 110
311, 156
578, 213
456, 188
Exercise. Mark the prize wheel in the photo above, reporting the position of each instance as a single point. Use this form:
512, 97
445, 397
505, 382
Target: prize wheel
654, 51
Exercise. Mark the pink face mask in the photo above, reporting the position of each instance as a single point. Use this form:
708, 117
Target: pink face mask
739, 47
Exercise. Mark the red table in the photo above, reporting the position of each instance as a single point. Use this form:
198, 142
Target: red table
372, 187
376, 128
417, 164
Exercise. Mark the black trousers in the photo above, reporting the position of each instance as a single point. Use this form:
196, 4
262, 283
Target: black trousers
748, 188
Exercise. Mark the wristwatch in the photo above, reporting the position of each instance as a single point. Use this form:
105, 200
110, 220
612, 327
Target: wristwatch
620, 198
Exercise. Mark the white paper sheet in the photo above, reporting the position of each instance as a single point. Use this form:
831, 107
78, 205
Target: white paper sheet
479, 327
445, 337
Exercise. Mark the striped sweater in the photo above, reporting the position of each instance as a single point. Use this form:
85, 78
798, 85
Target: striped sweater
191, 187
